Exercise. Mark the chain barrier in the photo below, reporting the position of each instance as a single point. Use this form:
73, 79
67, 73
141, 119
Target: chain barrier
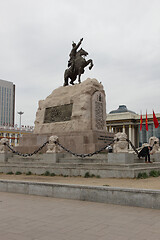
133, 147
69, 151
84, 155
27, 154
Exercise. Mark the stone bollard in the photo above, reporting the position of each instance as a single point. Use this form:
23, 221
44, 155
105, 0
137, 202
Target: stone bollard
53, 150
154, 143
120, 153
3, 150
120, 143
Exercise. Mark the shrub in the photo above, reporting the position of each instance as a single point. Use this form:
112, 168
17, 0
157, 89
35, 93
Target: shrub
29, 173
52, 174
142, 175
47, 173
10, 173
92, 175
18, 173
154, 173
87, 175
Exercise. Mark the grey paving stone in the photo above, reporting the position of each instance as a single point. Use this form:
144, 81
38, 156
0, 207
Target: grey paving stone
27, 217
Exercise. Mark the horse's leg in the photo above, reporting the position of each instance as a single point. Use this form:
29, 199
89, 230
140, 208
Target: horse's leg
65, 82
73, 78
79, 78
91, 63
71, 82
65, 78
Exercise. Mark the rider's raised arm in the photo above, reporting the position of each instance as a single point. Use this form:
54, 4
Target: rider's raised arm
78, 44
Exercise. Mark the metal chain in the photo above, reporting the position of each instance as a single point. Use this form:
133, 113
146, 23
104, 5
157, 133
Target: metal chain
27, 154
132, 146
84, 155
69, 151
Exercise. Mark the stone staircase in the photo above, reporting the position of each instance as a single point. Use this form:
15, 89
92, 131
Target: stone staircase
72, 166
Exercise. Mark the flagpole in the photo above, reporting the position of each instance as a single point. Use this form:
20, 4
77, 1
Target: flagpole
141, 128
153, 123
147, 126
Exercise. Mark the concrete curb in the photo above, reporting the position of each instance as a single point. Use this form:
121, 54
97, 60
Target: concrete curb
122, 196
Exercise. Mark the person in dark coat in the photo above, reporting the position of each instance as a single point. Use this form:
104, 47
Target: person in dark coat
145, 152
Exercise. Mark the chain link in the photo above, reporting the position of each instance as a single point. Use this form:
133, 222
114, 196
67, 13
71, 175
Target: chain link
84, 155
133, 147
26, 154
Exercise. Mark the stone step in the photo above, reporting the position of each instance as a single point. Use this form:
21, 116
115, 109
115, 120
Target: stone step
98, 170
83, 165
82, 160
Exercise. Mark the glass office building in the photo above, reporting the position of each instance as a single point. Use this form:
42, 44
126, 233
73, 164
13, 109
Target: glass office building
152, 131
7, 103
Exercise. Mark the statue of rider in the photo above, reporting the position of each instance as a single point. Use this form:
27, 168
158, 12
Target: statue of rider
73, 53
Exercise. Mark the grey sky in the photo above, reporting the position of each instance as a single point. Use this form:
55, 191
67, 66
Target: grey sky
121, 36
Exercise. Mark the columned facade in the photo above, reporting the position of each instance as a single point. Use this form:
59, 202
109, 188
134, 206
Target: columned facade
129, 122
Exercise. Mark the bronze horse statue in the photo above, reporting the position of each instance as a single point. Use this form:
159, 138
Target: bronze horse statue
78, 67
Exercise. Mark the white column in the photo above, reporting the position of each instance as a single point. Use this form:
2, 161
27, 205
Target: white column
130, 135
10, 140
16, 136
133, 135
123, 128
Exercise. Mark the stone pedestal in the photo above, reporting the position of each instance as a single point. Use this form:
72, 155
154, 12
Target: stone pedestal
156, 157
76, 114
51, 157
123, 158
3, 157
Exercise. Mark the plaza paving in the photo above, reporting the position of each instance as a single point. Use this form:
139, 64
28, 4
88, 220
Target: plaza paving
26, 217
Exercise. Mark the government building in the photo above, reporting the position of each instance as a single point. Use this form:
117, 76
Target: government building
124, 120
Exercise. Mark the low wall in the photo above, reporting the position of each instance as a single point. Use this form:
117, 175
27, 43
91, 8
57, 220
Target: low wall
128, 197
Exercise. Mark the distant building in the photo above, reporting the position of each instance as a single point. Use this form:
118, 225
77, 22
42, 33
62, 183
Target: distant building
124, 120
13, 133
7, 103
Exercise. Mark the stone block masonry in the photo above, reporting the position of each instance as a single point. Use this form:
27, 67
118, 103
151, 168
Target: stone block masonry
120, 196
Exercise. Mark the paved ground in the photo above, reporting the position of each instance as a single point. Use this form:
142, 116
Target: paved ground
25, 217
149, 183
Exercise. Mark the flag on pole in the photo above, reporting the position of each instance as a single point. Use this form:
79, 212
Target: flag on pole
156, 123
146, 122
141, 122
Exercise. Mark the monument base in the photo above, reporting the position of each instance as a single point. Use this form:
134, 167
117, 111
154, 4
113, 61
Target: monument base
3, 157
77, 142
76, 115
123, 158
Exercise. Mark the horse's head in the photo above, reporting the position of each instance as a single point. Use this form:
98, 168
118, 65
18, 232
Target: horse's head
82, 52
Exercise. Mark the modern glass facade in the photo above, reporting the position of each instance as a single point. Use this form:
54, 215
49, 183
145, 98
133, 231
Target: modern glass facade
145, 135
7, 103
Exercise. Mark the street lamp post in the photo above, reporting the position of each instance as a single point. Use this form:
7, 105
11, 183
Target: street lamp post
20, 114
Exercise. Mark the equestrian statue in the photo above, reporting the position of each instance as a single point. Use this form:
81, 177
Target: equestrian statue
76, 64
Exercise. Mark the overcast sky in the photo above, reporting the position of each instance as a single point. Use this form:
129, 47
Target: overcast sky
121, 36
